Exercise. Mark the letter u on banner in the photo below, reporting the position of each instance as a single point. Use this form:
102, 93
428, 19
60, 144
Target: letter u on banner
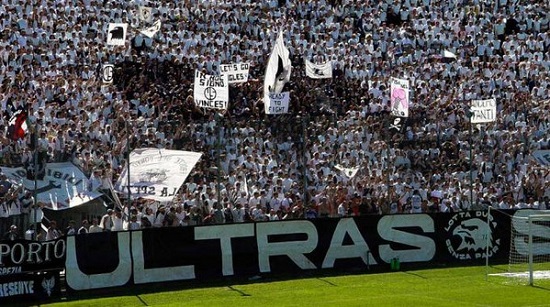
78, 280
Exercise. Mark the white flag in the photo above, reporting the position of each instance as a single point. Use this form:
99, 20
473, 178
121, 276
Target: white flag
348, 172
116, 34
211, 91
145, 13
277, 103
107, 73
318, 71
151, 31
448, 54
399, 97
278, 70
483, 111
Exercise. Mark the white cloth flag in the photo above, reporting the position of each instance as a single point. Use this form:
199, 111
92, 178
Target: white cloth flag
236, 73
399, 97
157, 173
64, 185
318, 71
448, 54
116, 34
152, 30
145, 13
211, 91
278, 70
278, 103
348, 172
483, 111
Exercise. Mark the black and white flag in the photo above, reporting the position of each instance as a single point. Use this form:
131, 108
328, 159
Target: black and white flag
278, 70
151, 31
116, 34
318, 71
145, 13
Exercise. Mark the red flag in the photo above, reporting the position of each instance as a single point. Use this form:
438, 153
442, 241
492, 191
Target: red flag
17, 125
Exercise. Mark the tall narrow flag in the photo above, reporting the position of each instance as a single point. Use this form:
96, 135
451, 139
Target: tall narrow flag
399, 97
17, 126
318, 71
278, 70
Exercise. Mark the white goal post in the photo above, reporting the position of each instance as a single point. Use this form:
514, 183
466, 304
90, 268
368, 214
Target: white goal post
529, 254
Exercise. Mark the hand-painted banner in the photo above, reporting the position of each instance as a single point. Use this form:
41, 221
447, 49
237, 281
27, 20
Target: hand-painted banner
278, 70
318, 71
107, 71
277, 103
483, 111
236, 73
211, 91
157, 173
116, 34
152, 30
399, 97
63, 185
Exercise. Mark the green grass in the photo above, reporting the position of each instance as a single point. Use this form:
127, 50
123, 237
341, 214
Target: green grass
436, 287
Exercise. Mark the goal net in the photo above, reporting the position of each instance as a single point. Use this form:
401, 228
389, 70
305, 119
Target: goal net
530, 246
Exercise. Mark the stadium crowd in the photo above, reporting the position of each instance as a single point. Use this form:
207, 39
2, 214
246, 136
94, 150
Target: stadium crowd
294, 165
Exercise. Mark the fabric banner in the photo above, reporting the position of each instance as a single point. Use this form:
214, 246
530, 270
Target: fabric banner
399, 97
277, 103
157, 173
348, 172
542, 156
17, 125
483, 111
116, 34
145, 13
236, 73
151, 31
318, 71
107, 71
24, 256
22, 288
278, 69
211, 91
63, 186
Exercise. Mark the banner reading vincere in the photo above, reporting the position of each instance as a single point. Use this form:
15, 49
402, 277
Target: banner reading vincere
64, 185
277, 103
236, 73
483, 111
399, 97
157, 173
211, 91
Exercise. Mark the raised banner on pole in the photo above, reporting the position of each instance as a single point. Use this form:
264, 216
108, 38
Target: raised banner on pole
236, 73
318, 71
278, 70
157, 173
483, 111
211, 91
399, 97
277, 103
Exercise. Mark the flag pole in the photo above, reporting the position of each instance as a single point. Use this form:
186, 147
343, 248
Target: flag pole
35, 192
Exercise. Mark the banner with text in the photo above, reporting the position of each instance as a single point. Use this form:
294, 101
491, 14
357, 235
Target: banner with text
107, 71
157, 173
399, 97
278, 70
62, 186
211, 91
29, 287
277, 103
236, 73
23, 256
483, 111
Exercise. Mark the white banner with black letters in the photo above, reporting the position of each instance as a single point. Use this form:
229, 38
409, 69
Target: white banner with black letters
277, 103
157, 173
483, 111
399, 97
211, 91
64, 185
236, 73
107, 71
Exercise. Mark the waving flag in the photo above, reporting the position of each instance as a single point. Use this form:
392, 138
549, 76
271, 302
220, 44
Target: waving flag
318, 71
278, 69
17, 125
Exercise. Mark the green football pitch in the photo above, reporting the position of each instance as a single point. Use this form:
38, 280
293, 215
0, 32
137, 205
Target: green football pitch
466, 286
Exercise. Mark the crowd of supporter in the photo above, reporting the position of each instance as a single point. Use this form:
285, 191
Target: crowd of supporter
286, 166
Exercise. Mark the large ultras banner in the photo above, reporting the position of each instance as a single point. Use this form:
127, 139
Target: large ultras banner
247, 249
